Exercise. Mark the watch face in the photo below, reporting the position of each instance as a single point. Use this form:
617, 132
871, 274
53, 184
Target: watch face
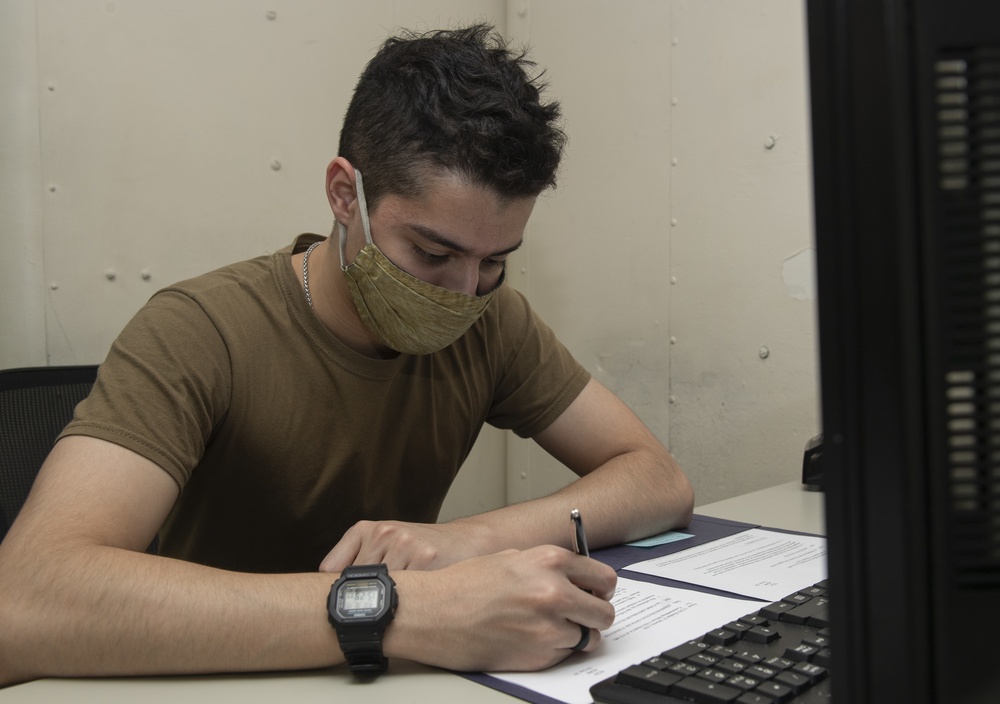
363, 598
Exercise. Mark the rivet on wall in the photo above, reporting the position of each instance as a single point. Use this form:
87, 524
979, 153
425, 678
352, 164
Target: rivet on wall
764, 352
146, 274
275, 165
272, 15
54, 286
111, 274
770, 142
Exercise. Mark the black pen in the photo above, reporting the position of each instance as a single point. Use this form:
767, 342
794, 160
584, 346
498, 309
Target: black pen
579, 537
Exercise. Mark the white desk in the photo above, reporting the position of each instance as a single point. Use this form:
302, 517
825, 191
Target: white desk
786, 506
789, 506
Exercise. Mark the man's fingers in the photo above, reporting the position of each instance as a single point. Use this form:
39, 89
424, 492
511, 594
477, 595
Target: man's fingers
593, 576
344, 554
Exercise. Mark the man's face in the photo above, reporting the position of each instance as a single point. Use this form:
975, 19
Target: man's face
456, 236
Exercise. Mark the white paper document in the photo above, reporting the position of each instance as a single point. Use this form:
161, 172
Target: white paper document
763, 564
649, 619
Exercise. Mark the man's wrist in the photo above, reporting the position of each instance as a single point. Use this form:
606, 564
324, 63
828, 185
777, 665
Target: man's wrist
361, 606
480, 534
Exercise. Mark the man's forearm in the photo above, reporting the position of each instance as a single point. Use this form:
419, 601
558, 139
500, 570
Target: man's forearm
108, 611
632, 496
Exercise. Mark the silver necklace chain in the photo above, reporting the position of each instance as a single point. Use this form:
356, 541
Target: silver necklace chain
305, 272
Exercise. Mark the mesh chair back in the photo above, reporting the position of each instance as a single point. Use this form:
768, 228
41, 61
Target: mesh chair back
35, 405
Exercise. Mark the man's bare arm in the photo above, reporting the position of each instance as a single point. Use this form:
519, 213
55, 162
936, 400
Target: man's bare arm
80, 598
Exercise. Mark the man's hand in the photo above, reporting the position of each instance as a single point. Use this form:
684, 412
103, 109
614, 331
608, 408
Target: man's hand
516, 610
401, 546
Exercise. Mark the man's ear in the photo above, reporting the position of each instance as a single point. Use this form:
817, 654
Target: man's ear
340, 188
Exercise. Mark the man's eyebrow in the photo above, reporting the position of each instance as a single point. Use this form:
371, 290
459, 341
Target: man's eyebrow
439, 239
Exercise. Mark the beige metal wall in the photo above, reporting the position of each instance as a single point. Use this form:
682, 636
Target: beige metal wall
150, 140
675, 257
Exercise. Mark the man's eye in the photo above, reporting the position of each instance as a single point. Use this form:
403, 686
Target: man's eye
430, 257
492, 263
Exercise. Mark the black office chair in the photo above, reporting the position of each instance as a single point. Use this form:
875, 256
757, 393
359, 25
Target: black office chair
35, 405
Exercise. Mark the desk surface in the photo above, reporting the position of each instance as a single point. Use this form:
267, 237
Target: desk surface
787, 506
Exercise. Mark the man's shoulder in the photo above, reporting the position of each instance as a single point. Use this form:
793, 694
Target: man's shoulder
509, 300
241, 273
233, 285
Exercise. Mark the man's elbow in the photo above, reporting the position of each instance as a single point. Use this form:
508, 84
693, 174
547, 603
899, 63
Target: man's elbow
682, 498
12, 628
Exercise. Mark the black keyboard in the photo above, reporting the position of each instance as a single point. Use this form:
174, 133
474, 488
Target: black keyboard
775, 655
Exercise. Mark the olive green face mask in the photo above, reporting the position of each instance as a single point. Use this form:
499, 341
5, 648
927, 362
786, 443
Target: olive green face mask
407, 314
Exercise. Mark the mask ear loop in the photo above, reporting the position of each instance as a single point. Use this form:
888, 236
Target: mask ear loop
365, 224
363, 205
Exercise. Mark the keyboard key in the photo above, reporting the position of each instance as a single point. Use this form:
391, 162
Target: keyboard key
647, 678
822, 658
814, 672
778, 663
738, 627
820, 619
762, 634
761, 672
793, 679
721, 637
703, 692
703, 659
774, 611
657, 663
684, 651
817, 640
731, 665
801, 652
777, 691
713, 675
684, 669
747, 656
754, 698
743, 682
804, 612
814, 591
721, 652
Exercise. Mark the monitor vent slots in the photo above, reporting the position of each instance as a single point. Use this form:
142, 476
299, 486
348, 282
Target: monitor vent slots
967, 109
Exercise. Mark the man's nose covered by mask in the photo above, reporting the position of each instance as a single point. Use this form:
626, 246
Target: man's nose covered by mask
407, 314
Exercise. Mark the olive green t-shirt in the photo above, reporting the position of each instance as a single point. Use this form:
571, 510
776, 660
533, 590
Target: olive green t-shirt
281, 437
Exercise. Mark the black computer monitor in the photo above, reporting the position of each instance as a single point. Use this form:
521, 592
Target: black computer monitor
906, 147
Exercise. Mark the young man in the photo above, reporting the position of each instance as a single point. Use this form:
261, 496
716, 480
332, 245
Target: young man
288, 418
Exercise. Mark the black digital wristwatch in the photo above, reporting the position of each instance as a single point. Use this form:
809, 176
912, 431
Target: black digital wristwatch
362, 603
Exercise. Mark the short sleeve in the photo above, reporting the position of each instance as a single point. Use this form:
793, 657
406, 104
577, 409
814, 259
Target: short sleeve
163, 388
539, 376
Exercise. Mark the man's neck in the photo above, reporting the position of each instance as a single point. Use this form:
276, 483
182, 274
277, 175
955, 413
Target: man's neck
333, 304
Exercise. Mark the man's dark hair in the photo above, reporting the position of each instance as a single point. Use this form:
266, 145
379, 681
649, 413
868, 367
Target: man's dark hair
458, 100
